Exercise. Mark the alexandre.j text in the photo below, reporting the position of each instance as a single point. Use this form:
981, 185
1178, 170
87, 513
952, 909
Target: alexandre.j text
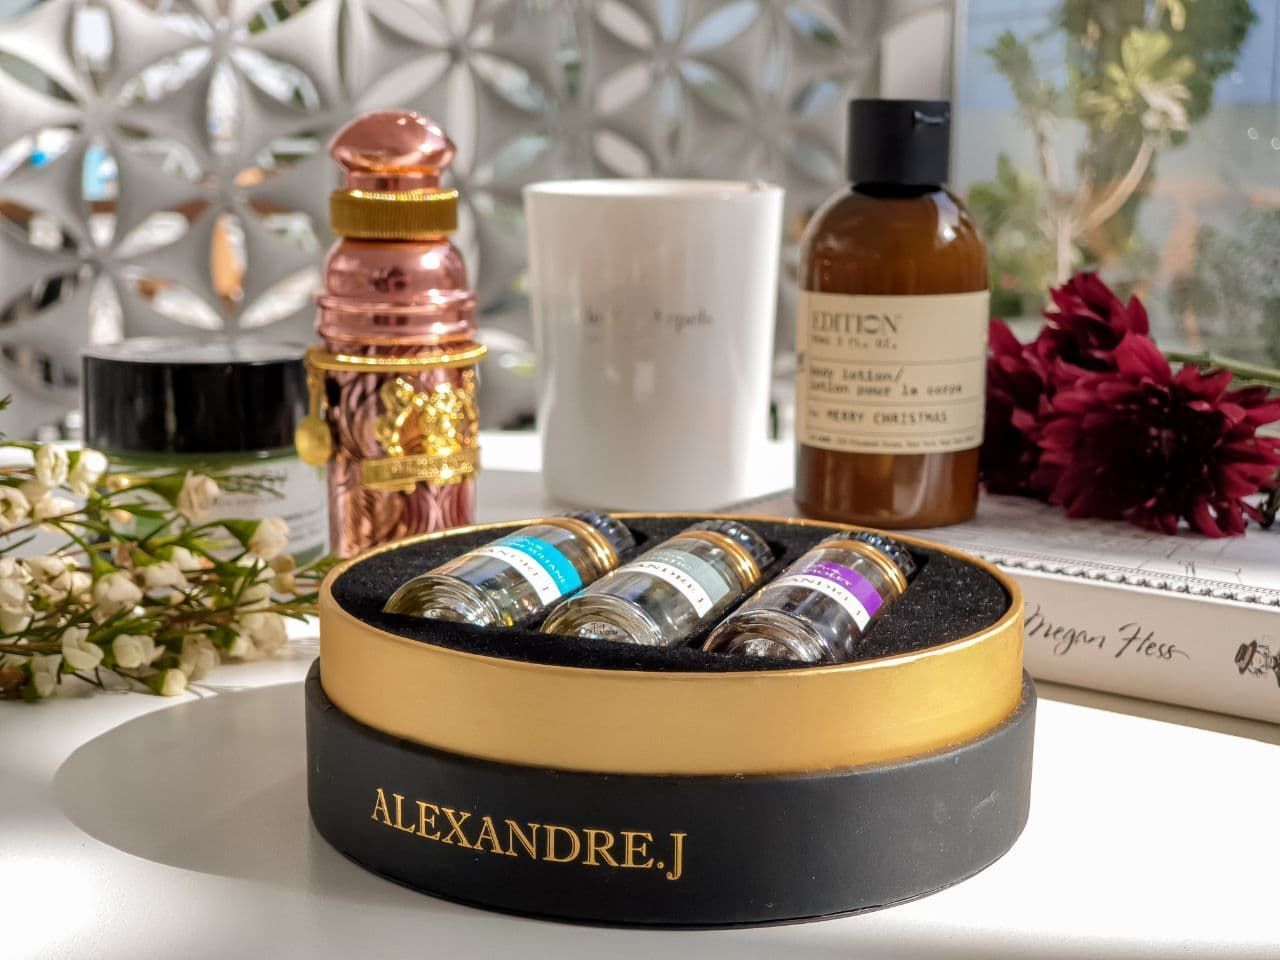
548, 842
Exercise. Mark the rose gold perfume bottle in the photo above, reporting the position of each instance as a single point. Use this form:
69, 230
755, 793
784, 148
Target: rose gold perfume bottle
393, 410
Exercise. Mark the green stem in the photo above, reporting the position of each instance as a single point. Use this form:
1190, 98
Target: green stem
1251, 373
1271, 506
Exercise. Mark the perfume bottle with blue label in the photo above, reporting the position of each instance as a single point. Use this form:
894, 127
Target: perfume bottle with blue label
516, 579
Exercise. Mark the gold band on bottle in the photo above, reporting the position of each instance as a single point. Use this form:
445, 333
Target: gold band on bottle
743, 563
602, 551
407, 215
646, 722
320, 359
887, 566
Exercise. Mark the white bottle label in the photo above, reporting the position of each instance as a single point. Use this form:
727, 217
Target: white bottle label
296, 494
891, 374
697, 580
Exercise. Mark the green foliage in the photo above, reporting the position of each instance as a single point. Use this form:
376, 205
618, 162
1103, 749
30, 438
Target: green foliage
1013, 209
1234, 292
1145, 85
1139, 74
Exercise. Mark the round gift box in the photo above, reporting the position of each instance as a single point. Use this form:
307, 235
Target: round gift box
599, 782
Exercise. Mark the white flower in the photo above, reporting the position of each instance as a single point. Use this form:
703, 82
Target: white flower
51, 506
266, 630
13, 622
184, 559
198, 657
89, 468
44, 672
269, 538
284, 581
79, 653
14, 508
197, 495
257, 595
33, 490
51, 465
171, 683
112, 593
158, 576
11, 569
55, 576
132, 652
15, 601
42, 569
242, 647
81, 583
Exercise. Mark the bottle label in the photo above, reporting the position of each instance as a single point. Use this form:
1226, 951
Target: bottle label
551, 574
900, 374
846, 586
698, 581
281, 486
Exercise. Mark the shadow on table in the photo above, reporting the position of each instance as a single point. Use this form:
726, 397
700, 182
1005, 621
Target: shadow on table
216, 786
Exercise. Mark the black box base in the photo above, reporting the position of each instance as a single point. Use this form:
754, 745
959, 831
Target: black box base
680, 851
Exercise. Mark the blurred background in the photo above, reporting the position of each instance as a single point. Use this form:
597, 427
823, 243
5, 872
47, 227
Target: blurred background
163, 165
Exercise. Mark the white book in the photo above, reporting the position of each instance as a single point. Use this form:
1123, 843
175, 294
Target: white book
1181, 619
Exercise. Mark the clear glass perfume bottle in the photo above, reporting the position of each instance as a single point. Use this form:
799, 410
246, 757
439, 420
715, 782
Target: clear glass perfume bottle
514, 580
671, 591
819, 608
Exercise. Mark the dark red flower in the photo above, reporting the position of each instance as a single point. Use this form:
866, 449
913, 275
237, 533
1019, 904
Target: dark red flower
1015, 388
1087, 323
1142, 444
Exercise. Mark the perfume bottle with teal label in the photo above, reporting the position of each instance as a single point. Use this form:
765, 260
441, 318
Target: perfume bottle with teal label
514, 580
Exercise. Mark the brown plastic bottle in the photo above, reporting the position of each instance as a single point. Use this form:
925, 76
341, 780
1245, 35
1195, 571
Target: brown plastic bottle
892, 332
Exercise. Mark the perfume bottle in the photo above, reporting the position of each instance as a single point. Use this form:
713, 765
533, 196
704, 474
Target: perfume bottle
514, 580
891, 332
819, 608
392, 389
671, 591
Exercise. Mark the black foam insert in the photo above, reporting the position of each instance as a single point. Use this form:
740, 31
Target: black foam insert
947, 600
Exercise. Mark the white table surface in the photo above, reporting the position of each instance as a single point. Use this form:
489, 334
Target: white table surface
137, 827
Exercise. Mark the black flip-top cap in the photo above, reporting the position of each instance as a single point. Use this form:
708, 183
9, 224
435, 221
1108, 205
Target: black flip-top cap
170, 395
905, 142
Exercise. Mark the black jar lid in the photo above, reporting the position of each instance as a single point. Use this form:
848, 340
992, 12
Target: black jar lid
171, 395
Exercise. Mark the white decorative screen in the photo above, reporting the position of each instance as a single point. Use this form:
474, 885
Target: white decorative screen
163, 165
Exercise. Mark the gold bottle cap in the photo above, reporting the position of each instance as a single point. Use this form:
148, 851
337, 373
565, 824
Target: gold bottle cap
407, 215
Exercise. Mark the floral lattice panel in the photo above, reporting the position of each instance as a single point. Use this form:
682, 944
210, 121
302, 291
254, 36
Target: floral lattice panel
162, 163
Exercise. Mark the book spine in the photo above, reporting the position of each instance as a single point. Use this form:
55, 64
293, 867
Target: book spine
1199, 652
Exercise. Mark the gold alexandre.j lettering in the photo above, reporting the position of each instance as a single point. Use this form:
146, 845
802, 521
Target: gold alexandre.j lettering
542, 842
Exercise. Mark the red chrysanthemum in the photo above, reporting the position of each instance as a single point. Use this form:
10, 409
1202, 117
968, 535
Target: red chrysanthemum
1142, 444
1087, 323
1083, 328
1015, 388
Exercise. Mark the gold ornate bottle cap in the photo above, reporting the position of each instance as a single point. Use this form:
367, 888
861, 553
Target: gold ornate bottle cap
408, 215
393, 161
